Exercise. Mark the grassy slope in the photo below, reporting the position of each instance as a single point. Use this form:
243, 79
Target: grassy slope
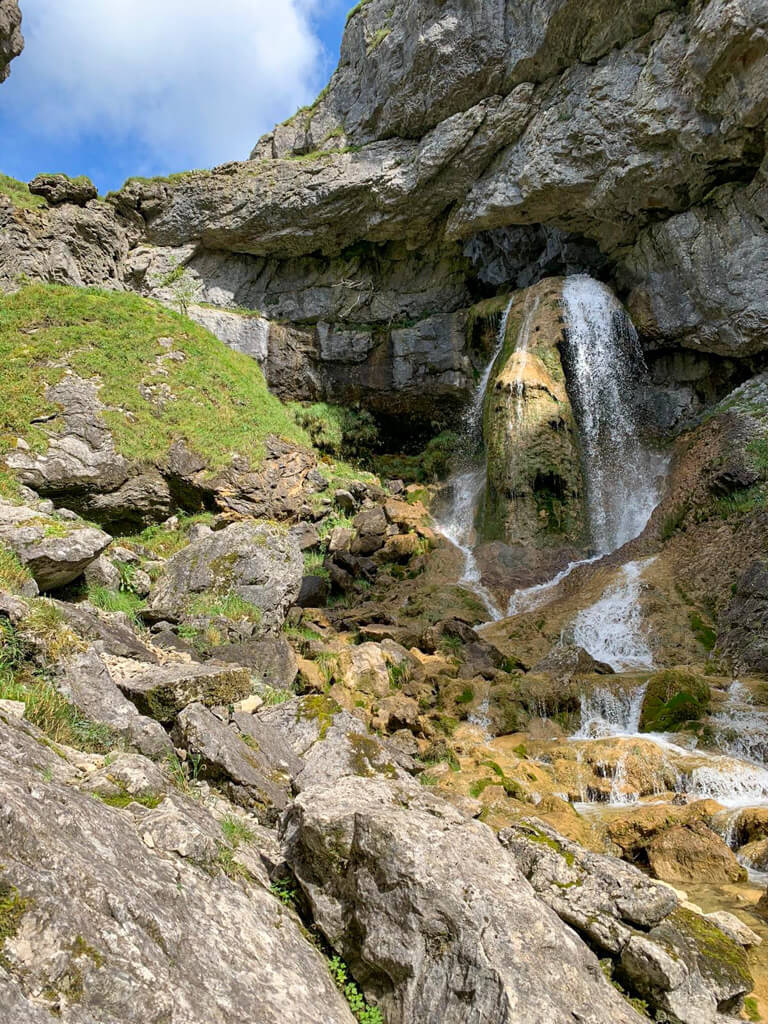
222, 403
19, 193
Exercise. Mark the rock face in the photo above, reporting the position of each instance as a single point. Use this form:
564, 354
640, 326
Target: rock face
535, 494
11, 41
59, 188
256, 565
54, 552
383, 866
681, 963
106, 908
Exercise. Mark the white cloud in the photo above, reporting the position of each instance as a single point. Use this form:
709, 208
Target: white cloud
195, 81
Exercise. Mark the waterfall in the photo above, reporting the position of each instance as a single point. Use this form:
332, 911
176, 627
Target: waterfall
611, 629
607, 713
467, 484
604, 358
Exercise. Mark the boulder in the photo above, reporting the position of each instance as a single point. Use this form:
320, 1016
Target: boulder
103, 573
165, 690
111, 633
634, 831
248, 565
271, 661
86, 682
252, 761
688, 853
54, 552
384, 867
60, 188
672, 698
371, 529
678, 961
115, 921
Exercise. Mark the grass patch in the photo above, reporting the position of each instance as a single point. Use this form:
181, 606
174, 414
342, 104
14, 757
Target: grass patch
377, 39
13, 575
221, 404
236, 831
227, 606
314, 564
116, 601
19, 194
159, 541
358, 7
54, 715
120, 800
337, 430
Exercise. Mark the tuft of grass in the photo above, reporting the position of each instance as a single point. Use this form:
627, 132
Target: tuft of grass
358, 7
221, 404
116, 601
61, 721
46, 624
314, 564
227, 606
272, 696
337, 430
13, 575
161, 542
236, 831
121, 800
19, 194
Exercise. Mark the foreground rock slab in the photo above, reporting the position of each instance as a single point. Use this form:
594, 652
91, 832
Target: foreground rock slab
432, 914
105, 928
164, 691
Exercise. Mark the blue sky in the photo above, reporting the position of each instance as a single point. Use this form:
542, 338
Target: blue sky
111, 88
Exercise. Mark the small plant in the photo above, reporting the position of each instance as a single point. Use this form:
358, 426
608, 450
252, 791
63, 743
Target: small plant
272, 696
61, 721
227, 606
466, 696
184, 773
116, 601
450, 645
362, 1012
285, 891
328, 663
399, 675
314, 564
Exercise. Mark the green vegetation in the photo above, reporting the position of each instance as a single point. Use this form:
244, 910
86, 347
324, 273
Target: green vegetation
12, 910
428, 466
377, 39
704, 633
158, 541
236, 831
116, 601
285, 891
227, 606
13, 575
358, 7
640, 1005
339, 431
221, 403
314, 564
673, 698
751, 1009
123, 799
19, 194
362, 1012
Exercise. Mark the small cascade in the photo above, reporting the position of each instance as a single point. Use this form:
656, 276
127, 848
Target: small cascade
467, 485
481, 717
740, 729
531, 598
621, 795
611, 630
605, 365
729, 782
605, 713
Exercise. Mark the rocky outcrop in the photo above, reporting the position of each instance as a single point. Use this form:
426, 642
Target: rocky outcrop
163, 692
684, 964
54, 551
383, 866
11, 41
245, 571
60, 188
535, 493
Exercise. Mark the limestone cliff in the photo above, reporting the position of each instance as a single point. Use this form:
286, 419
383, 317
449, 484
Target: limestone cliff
11, 41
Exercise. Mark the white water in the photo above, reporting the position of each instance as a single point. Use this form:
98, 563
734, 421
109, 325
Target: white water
605, 713
622, 476
611, 630
467, 485
740, 728
534, 597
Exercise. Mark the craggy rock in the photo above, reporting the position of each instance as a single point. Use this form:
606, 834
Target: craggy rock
103, 573
109, 912
11, 41
54, 552
252, 760
743, 636
384, 867
86, 682
255, 563
687, 853
165, 690
333, 744
679, 961
82, 469
271, 660
110, 633
59, 188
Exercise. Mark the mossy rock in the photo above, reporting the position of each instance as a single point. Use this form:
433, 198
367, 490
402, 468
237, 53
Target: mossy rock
673, 698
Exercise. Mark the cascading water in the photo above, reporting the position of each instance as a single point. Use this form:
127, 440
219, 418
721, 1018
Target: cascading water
611, 630
605, 365
467, 484
608, 713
